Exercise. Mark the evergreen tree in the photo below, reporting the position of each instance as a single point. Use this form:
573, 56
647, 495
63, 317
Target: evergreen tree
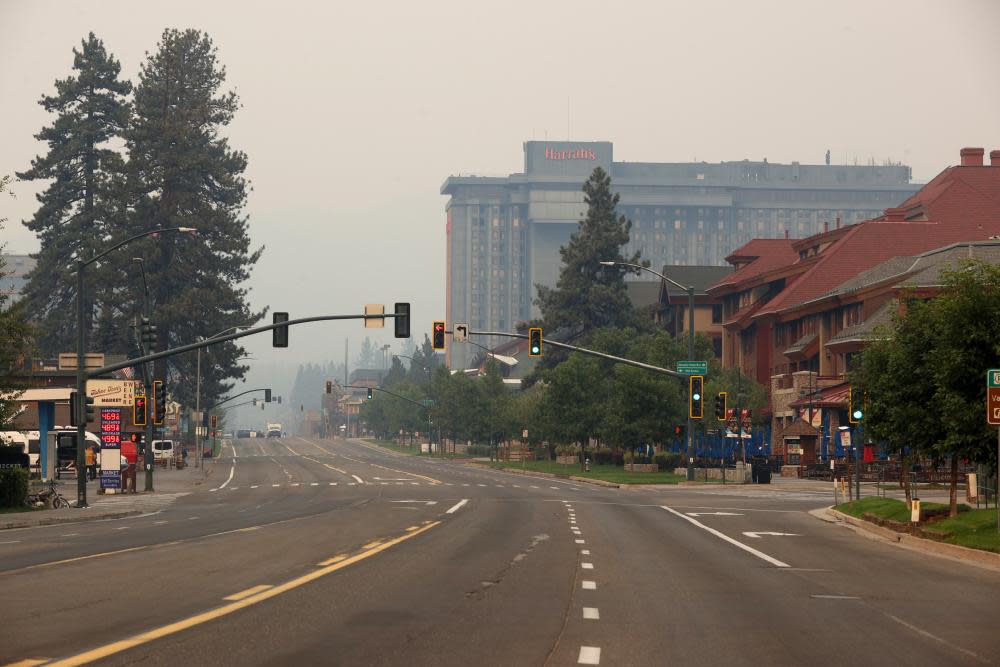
183, 173
15, 334
78, 207
589, 296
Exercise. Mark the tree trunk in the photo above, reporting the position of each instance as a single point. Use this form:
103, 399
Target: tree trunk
953, 487
904, 480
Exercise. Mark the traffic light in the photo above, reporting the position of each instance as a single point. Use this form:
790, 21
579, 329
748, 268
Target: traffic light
139, 411
402, 320
438, 335
279, 335
88, 409
857, 407
370, 393
147, 334
279, 400
215, 421
678, 430
696, 386
267, 395
253, 402
204, 419
159, 402
329, 387
74, 409
720, 406
535, 342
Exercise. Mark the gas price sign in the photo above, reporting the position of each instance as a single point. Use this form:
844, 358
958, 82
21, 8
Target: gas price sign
111, 444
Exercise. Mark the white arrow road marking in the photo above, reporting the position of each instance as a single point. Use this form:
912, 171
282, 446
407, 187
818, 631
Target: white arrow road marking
723, 536
457, 506
765, 532
713, 514
425, 502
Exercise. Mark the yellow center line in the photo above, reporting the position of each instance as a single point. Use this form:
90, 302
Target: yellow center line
342, 472
372, 544
198, 619
29, 662
335, 559
248, 592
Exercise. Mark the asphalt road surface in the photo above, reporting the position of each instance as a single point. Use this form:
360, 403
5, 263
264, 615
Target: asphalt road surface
304, 551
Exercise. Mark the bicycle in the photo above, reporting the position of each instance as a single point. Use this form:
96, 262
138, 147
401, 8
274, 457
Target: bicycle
47, 496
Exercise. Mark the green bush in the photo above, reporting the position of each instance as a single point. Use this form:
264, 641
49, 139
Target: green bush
602, 456
478, 450
13, 487
667, 461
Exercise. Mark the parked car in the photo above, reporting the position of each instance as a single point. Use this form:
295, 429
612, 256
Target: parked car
163, 449
243, 433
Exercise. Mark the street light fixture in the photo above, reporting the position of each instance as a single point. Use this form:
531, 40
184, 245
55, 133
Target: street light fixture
81, 371
690, 293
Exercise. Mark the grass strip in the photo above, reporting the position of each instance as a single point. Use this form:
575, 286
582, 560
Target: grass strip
607, 473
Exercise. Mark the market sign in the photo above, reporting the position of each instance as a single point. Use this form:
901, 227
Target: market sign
111, 447
112, 393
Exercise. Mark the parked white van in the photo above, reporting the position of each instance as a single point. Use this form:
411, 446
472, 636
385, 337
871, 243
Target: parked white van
163, 449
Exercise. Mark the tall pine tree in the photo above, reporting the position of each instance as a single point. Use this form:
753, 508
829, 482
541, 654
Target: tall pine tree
80, 205
589, 296
183, 173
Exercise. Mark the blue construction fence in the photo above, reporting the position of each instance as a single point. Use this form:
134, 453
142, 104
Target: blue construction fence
718, 447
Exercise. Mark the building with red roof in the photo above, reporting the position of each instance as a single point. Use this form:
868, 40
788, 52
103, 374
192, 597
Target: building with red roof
785, 307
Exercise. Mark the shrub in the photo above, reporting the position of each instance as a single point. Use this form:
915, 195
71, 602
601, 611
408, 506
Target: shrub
667, 461
478, 450
13, 487
618, 457
602, 456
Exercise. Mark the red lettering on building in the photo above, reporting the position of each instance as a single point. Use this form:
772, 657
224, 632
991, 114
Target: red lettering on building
580, 154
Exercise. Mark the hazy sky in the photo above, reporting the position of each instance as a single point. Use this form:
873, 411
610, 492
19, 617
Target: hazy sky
355, 113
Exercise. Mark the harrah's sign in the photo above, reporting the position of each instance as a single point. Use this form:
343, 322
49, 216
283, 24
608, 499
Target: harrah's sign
581, 154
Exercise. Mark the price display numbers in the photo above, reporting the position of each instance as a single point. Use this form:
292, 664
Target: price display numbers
111, 427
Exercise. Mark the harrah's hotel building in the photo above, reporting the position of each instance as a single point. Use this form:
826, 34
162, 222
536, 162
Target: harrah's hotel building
504, 234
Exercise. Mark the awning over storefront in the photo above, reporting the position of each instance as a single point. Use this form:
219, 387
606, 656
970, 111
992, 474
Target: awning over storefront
827, 397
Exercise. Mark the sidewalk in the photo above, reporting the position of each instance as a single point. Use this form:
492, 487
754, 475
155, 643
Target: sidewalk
169, 485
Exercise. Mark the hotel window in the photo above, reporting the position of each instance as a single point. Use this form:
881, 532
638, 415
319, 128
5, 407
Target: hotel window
716, 313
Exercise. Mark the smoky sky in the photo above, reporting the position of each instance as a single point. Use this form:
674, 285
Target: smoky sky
353, 114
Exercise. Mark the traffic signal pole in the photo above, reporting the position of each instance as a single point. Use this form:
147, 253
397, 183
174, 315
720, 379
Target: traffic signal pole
81, 393
690, 424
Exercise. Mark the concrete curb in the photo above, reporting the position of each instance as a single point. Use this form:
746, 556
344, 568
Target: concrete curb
76, 517
985, 559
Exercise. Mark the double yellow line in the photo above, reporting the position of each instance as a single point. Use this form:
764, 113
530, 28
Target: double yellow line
256, 598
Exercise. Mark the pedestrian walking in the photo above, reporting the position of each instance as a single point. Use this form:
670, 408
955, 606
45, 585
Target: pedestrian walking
91, 466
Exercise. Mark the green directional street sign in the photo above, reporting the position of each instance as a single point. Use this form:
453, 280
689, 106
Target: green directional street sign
692, 367
993, 377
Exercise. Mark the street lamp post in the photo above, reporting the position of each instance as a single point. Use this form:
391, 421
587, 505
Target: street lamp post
81, 371
690, 293
147, 372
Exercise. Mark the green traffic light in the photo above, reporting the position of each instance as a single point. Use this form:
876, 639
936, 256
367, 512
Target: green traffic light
858, 414
696, 397
534, 349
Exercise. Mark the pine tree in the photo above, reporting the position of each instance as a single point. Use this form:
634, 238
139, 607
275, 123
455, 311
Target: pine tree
81, 202
589, 296
183, 173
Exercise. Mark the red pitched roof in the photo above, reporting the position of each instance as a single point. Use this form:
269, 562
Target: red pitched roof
963, 196
866, 244
765, 255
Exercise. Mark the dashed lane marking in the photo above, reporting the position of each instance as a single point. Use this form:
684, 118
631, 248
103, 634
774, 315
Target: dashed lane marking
588, 585
584, 552
587, 566
457, 506
580, 541
589, 655
591, 614
247, 593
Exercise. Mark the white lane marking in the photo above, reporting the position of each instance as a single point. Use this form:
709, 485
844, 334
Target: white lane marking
722, 536
333, 484
480, 485
232, 470
156, 523
591, 614
713, 514
589, 655
254, 486
589, 585
516, 486
534, 487
465, 485
580, 541
122, 528
192, 518
66, 535
585, 552
358, 479
750, 533
587, 566
294, 484
835, 597
314, 484
554, 487
274, 486
921, 631
233, 488
415, 483
457, 506
352, 484
425, 502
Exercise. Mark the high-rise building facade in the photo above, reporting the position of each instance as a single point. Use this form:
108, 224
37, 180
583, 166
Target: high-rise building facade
504, 234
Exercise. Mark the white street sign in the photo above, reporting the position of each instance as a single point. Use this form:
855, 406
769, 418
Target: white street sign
764, 532
460, 332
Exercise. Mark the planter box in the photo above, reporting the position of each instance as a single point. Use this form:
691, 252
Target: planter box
568, 460
642, 467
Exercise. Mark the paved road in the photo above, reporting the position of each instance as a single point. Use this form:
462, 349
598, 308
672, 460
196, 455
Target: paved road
303, 551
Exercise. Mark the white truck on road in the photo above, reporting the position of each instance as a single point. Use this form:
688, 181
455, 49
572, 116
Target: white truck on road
274, 430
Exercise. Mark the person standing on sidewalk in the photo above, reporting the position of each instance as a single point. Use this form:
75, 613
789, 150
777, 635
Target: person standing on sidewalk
130, 452
90, 463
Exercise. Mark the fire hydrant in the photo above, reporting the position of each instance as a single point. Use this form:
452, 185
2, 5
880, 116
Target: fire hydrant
586, 465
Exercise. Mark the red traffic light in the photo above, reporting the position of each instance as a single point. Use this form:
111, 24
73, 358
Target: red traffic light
438, 335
